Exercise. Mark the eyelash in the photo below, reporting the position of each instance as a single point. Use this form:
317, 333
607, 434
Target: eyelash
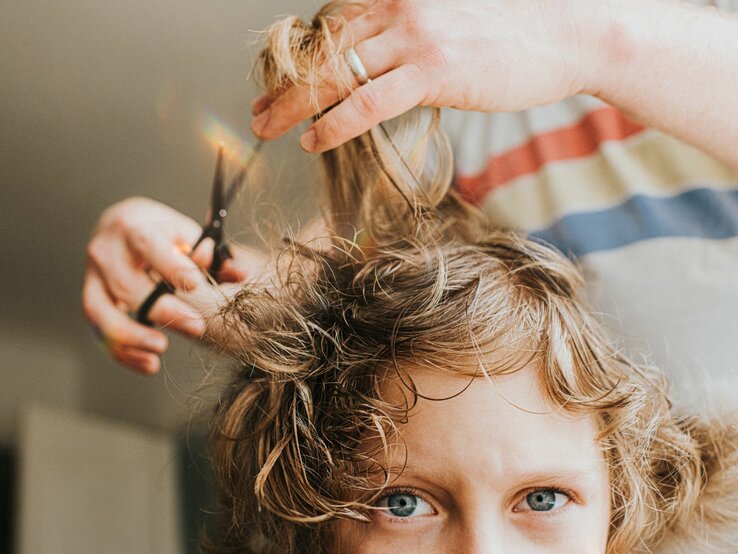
403, 490
573, 497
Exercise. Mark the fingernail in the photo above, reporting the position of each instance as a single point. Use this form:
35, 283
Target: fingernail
260, 122
184, 248
151, 365
191, 279
308, 140
195, 327
334, 23
204, 252
155, 344
260, 104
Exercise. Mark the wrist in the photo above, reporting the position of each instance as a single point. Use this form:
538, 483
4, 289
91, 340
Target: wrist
616, 39
626, 43
581, 30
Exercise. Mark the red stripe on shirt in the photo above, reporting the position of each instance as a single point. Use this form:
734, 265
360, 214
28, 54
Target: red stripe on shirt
567, 143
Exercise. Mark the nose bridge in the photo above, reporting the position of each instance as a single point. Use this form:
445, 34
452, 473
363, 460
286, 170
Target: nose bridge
485, 534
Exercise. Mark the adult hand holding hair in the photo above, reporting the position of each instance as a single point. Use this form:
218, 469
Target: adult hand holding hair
666, 63
135, 240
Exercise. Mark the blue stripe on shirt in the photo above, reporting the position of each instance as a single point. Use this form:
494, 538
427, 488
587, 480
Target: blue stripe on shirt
697, 213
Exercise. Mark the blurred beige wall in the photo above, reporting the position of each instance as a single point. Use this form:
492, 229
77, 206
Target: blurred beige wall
90, 486
100, 100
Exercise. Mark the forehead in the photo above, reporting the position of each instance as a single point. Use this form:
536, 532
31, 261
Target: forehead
500, 426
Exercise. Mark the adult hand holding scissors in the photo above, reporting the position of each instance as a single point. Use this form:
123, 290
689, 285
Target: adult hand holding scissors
134, 240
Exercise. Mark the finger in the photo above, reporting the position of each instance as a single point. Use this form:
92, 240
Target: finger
233, 272
358, 25
172, 313
235, 269
261, 104
166, 259
139, 360
277, 116
121, 273
245, 264
208, 300
384, 98
203, 254
346, 14
116, 327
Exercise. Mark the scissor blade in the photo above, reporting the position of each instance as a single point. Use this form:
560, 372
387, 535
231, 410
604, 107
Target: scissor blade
217, 194
240, 178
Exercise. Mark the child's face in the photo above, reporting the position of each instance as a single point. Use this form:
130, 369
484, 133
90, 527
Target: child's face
492, 470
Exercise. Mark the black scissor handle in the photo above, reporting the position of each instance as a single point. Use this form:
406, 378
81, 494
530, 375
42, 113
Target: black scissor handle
221, 253
142, 315
219, 202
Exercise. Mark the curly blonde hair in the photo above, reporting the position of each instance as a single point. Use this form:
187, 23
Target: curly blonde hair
411, 276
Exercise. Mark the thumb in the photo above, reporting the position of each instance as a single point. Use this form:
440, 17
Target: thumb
245, 264
233, 271
203, 254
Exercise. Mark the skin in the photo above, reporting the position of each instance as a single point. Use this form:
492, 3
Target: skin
137, 238
650, 58
511, 443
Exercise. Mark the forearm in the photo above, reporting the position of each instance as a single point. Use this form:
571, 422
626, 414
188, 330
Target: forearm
674, 67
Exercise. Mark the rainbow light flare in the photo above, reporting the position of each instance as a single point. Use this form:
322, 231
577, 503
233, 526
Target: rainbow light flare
217, 133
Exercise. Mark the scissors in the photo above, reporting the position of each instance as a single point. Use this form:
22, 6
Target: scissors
220, 199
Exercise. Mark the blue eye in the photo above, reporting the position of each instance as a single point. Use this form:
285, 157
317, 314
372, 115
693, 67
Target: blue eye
544, 500
404, 505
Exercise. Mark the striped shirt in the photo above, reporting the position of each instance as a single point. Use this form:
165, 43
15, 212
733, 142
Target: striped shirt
652, 221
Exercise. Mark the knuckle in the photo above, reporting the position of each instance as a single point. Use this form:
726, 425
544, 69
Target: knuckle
434, 57
119, 212
368, 12
122, 335
187, 278
415, 21
121, 287
119, 355
89, 310
122, 223
329, 129
117, 215
368, 100
139, 240
131, 205
95, 250
394, 7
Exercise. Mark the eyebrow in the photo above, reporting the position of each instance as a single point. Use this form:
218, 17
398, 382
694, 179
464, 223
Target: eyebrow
550, 474
530, 477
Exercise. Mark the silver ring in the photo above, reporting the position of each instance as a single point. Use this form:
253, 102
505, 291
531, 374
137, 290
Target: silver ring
357, 67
